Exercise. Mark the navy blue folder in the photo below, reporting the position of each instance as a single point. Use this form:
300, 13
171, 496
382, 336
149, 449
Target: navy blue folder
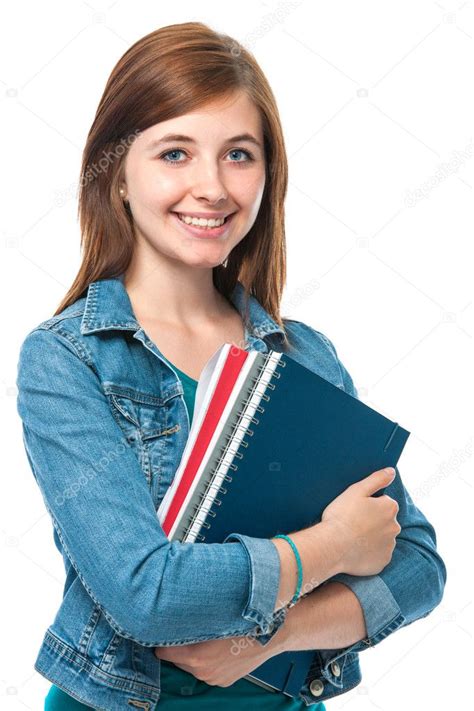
308, 442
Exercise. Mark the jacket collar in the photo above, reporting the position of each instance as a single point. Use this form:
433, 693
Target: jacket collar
108, 307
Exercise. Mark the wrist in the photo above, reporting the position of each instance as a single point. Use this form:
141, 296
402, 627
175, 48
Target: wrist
331, 544
284, 639
320, 548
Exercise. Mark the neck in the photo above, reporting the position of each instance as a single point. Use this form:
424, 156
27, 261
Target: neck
178, 294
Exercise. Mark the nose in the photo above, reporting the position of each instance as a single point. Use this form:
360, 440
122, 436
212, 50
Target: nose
207, 184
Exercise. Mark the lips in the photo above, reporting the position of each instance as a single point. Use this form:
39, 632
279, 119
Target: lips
207, 218
204, 233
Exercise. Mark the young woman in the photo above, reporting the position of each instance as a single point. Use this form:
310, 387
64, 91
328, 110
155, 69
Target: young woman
182, 216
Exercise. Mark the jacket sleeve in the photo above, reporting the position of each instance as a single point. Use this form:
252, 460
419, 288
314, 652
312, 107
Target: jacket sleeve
151, 590
412, 584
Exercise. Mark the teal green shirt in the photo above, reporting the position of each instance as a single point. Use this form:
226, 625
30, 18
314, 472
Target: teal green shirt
178, 685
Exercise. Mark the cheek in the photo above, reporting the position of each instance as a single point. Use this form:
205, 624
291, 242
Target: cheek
251, 197
247, 188
154, 190
164, 188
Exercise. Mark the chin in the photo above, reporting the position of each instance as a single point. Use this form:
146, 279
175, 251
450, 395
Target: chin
201, 263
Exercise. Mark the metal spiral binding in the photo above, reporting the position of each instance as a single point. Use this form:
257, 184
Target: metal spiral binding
225, 449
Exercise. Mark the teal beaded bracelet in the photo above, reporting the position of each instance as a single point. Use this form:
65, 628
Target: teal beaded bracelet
295, 597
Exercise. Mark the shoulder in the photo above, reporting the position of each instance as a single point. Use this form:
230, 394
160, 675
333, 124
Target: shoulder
301, 331
316, 351
64, 328
70, 316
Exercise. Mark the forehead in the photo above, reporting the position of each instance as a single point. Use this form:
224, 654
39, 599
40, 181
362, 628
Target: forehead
217, 120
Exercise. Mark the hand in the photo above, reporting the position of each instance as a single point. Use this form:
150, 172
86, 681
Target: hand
365, 526
221, 662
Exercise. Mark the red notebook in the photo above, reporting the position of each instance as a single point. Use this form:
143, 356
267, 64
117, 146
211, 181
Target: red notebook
223, 380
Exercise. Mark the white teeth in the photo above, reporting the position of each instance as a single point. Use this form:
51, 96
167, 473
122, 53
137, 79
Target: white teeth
201, 221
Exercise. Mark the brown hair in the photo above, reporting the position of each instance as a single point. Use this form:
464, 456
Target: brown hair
167, 73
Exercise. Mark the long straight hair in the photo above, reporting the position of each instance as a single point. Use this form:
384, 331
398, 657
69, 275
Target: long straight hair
169, 72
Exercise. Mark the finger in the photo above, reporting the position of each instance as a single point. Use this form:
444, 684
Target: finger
169, 654
185, 667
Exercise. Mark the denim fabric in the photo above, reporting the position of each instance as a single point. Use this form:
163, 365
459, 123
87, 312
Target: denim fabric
104, 427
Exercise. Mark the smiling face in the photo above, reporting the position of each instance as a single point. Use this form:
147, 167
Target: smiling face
209, 173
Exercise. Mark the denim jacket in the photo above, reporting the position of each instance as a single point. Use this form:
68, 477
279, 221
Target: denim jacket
104, 426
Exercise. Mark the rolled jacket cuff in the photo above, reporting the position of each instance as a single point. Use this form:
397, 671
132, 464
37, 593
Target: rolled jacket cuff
381, 611
264, 576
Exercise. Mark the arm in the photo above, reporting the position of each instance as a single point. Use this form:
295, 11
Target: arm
329, 618
351, 613
151, 590
412, 584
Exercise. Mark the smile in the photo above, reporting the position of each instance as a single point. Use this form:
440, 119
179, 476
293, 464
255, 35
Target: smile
200, 227
201, 221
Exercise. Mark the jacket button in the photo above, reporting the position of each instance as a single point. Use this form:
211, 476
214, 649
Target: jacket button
316, 687
335, 668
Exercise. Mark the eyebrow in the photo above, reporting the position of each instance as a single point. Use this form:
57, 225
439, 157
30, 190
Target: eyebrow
178, 137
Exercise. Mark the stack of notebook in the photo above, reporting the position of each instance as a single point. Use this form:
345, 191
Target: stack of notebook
270, 446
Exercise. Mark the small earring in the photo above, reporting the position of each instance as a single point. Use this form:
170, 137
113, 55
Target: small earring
122, 192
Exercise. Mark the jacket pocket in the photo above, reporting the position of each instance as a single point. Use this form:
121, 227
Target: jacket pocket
146, 422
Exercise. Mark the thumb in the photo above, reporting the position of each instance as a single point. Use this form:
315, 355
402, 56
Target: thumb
377, 480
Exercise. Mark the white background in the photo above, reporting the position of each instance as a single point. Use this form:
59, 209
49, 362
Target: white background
376, 103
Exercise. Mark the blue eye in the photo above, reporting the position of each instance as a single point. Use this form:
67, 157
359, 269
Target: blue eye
175, 150
240, 150
164, 156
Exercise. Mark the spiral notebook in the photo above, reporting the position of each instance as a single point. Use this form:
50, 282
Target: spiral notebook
270, 446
